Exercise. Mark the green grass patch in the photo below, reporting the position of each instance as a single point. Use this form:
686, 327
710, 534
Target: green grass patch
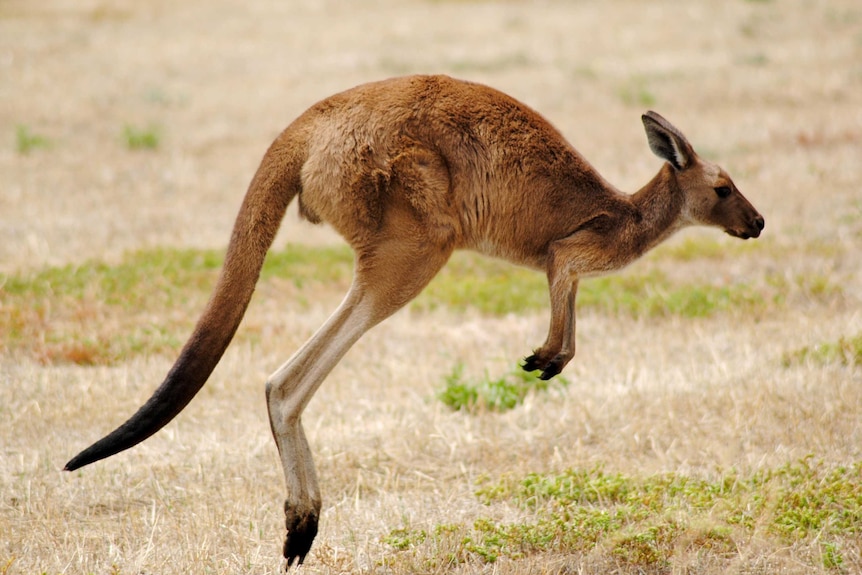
137, 138
302, 265
643, 522
831, 556
26, 140
713, 247
654, 295
845, 351
702, 248
98, 312
493, 287
803, 287
493, 394
139, 278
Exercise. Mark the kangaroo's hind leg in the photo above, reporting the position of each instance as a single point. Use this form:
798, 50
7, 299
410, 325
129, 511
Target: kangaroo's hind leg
390, 271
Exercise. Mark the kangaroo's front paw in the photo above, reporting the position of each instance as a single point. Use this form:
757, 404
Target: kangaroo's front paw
553, 367
301, 530
534, 363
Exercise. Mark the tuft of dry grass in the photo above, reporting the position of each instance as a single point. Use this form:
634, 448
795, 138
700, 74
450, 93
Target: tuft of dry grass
717, 442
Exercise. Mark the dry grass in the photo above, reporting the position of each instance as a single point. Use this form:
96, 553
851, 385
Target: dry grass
772, 90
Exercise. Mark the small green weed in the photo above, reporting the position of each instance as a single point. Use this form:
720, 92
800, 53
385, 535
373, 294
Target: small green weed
26, 141
501, 394
402, 539
831, 556
137, 138
650, 547
845, 351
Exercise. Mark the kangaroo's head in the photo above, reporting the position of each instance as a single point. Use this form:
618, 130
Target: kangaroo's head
710, 197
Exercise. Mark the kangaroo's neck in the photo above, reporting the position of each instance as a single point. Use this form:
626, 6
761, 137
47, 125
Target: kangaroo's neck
659, 204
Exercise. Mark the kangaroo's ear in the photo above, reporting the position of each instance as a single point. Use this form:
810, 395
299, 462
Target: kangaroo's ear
667, 142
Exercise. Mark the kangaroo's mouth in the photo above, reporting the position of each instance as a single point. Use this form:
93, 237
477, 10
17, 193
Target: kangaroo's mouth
743, 234
751, 231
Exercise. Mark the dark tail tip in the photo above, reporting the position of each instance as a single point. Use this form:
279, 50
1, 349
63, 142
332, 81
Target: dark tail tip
141, 426
185, 379
81, 460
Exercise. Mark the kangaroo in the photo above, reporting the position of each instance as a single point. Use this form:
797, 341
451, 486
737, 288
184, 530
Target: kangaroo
408, 170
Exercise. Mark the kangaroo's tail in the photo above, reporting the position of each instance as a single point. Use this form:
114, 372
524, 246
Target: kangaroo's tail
273, 187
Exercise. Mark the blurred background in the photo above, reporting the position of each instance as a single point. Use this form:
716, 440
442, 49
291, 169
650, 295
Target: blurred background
148, 119
126, 126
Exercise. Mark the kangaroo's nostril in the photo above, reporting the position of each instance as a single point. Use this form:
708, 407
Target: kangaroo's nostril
760, 222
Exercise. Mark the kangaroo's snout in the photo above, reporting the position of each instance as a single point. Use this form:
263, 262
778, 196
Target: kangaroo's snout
752, 230
759, 224
756, 227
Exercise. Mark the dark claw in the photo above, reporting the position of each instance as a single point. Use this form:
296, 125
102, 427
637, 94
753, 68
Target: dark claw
554, 367
533, 363
301, 530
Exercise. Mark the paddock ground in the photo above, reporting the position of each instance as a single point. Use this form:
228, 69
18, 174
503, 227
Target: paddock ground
771, 90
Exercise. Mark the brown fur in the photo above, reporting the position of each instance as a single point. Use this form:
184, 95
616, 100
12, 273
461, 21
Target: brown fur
408, 170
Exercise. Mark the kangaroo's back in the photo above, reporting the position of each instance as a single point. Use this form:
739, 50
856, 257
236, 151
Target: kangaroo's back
506, 165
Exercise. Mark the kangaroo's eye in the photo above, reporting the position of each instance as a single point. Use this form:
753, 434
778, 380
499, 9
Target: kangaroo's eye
722, 191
